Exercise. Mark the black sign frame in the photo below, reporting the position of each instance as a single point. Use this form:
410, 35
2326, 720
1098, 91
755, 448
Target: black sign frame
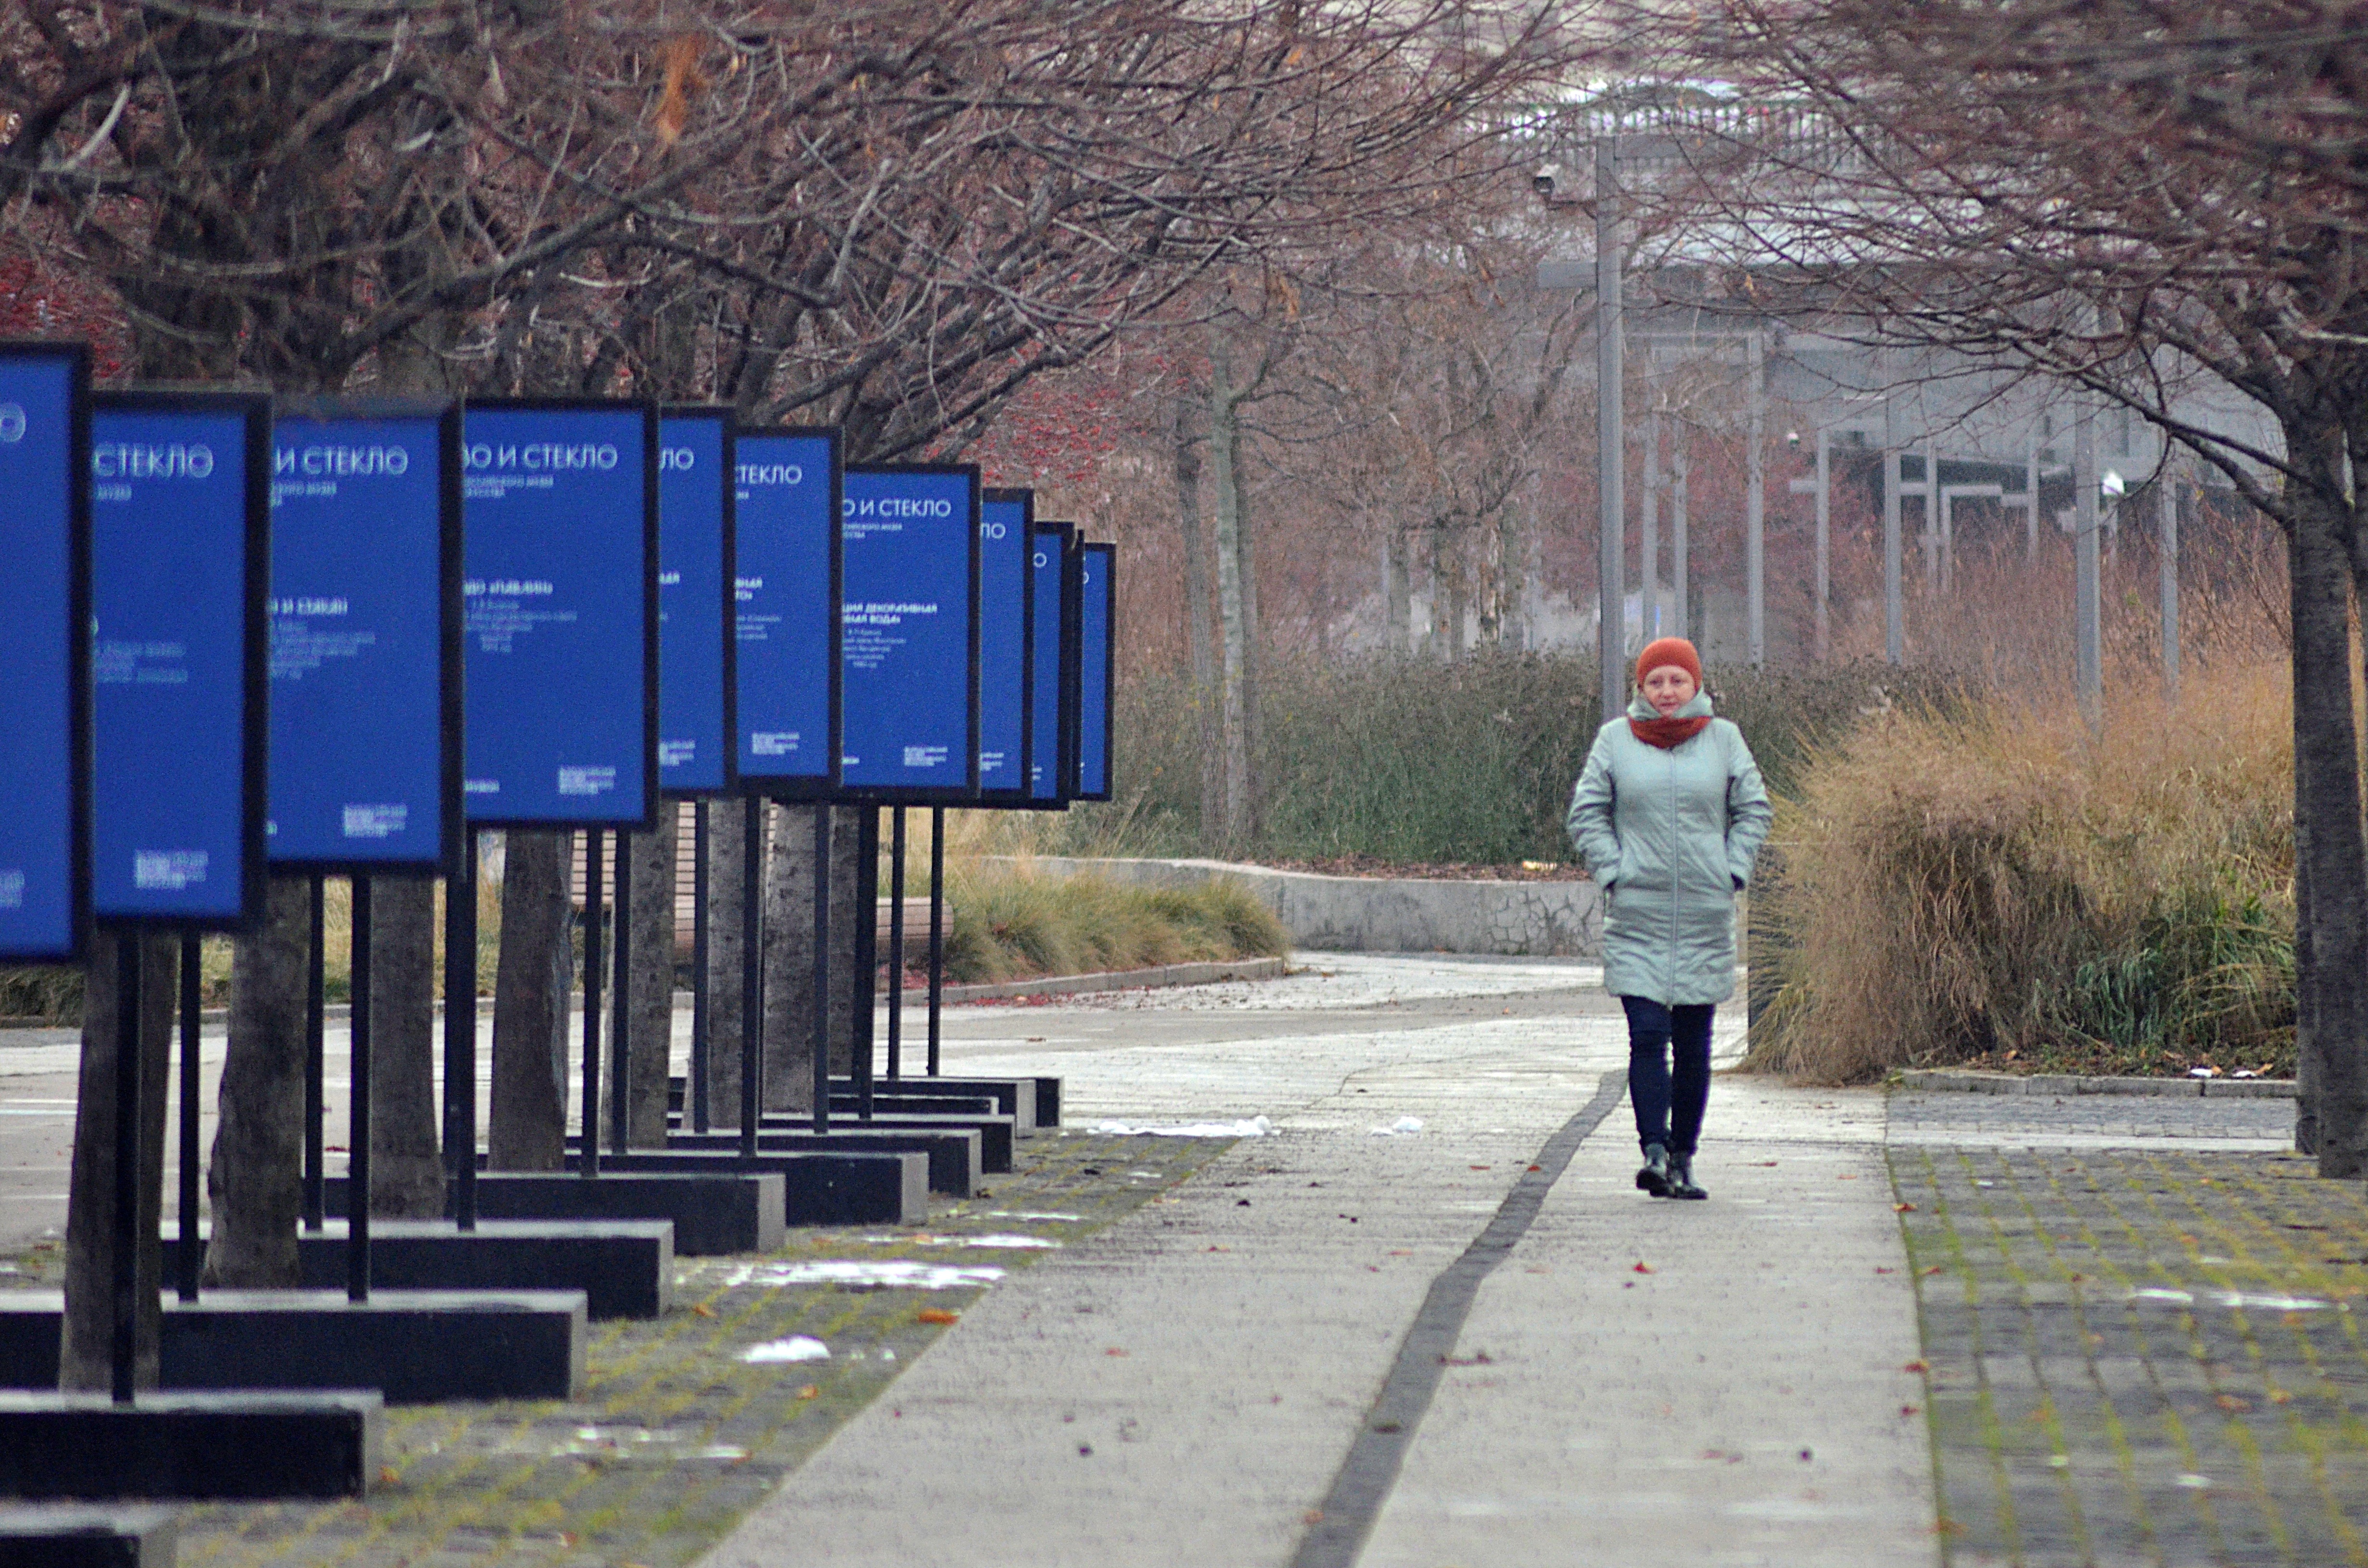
451, 691
1064, 716
649, 412
1108, 556
1026, 500
884, 795
79, 704
255, 655
727, 417
823, 788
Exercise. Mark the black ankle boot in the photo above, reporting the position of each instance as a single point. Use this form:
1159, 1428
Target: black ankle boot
1655, 1177
1682, 1178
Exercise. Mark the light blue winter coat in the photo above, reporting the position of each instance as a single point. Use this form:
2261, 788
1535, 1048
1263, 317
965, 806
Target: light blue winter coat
1669, 837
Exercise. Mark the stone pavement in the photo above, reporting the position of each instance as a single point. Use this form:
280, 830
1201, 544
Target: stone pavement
1634, 1378
1908, 1328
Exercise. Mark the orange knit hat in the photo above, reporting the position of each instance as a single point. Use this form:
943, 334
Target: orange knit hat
1669, 651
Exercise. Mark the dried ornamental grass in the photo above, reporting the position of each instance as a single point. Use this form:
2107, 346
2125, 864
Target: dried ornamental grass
1994, 883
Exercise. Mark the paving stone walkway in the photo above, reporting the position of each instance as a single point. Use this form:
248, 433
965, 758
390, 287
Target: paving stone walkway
1919, 1328
678, 1435
2141, 1355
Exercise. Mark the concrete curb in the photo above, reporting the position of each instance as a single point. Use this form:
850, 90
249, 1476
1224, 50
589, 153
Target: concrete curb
1380, 915
1112, 980
2063, 1083
1048, 985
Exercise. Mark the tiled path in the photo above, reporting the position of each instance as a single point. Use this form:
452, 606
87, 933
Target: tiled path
1907, 1329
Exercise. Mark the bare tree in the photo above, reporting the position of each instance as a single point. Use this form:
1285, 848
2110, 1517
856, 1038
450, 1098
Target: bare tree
2130, 197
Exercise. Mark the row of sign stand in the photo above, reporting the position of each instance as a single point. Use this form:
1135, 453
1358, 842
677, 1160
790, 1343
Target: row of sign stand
846, 605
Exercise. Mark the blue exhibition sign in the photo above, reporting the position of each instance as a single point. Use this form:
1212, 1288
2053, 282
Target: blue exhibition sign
694, 601
44, 648
1097, 662
785, 588
1006, 535
364, 638
179, 562
560, 630
908, 633
1047, 721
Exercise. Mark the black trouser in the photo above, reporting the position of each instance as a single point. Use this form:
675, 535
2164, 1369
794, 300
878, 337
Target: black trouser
1669, 1103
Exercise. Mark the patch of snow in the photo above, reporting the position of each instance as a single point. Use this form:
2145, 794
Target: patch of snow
797, 1348
892, 1275
1255, 1127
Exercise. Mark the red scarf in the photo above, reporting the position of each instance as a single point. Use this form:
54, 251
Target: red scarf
1667, 734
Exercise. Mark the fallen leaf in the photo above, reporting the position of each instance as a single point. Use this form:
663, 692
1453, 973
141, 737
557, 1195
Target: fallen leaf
809, 1391
2230, 1401
2279, 1396
1312, 1517
938, 1314
702, 1309
1537, 1167
1887, 1271
1763, 1162
1909, 1409
1113, 1351
1936, 1268
1916, 1367
1903, 1209
386, 1476
1845, 1178
1220, 1249
1643, 1268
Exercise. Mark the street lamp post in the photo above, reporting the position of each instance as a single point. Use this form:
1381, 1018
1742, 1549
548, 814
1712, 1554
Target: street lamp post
2088, 651
1609, 388
2166, 500
1754, 515
1894, 632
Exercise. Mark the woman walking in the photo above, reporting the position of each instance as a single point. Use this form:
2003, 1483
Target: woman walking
1669, 814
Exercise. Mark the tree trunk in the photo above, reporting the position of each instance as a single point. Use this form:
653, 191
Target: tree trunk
725, 835
651, 1002
527, 1124
86, 1357
2305, 1135
254, 1181
1397, 592
2331, 976
1448, 598
845, 985
406, 1166
789, 954
1184, 444
1235, 601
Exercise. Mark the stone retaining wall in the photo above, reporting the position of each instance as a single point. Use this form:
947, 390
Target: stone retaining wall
1376, 915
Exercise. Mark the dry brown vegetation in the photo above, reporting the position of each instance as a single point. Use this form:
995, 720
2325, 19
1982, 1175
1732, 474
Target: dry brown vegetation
1993, 883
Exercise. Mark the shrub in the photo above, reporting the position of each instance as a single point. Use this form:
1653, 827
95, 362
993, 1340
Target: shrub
1990, 882
1412, 760
1009, 925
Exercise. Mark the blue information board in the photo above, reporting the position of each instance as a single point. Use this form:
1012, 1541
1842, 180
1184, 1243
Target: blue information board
180, 559
787, 589
45, 651
695, 516
908, 635
1096, 667
366, 637
561, 502
1048, 720
1006, 529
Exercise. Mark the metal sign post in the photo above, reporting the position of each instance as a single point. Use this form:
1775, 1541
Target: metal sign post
179, 559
